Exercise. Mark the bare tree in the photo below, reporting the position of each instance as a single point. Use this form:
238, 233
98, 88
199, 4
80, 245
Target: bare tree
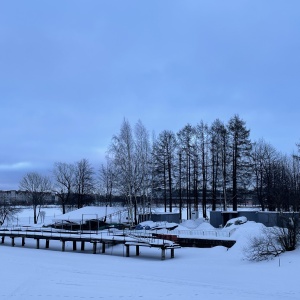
260, 153
83, 181
107, 179
289, 231
279, 184
240, 146
295, 165
202, 133
64, 175
36, 187
122, 150
7, 209
186, 144
219, 157
130, 153
164, 151
142, 182
224, 162
214, 149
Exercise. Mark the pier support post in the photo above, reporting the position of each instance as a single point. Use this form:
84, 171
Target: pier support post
23, 241
103, 247
172, 253
13, 241
137, 250
2, 240
94, 248
74, 246
127, 250
163, 253
47, 244
82, 245
63, 246
37, 243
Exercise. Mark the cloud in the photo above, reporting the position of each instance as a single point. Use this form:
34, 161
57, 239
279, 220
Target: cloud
15, 166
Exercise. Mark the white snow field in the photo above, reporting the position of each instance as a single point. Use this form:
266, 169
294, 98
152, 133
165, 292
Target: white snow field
194, 273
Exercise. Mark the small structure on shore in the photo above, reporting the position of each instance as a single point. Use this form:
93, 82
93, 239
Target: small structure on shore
268, 218
170, 217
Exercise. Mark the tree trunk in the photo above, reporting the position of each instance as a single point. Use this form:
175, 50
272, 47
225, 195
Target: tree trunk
34, 214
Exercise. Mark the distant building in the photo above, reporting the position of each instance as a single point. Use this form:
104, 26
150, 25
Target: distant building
21, 197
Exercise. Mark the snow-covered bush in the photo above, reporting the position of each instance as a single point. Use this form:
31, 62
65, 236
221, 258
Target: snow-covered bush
274, 240
263, 247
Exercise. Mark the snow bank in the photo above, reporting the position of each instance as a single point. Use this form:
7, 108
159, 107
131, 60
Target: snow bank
205, 226
243, 235
193, 224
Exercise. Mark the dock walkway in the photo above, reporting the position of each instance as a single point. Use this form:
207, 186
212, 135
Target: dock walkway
102, 237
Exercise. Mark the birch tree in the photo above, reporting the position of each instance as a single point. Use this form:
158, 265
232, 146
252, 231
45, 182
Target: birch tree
142, 183
122, 151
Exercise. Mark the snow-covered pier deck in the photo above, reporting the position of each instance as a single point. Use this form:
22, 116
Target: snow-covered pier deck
102, 237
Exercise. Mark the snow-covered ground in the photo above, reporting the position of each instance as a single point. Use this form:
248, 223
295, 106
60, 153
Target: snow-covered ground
194, 273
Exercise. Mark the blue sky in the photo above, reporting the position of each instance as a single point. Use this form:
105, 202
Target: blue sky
71, 71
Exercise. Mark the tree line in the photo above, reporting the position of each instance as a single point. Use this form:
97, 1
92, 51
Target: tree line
215, 165
201, 165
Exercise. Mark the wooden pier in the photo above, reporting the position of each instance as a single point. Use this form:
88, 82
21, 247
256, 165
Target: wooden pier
103, 238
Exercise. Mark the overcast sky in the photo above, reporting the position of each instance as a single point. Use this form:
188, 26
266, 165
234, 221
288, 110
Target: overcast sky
71, 71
